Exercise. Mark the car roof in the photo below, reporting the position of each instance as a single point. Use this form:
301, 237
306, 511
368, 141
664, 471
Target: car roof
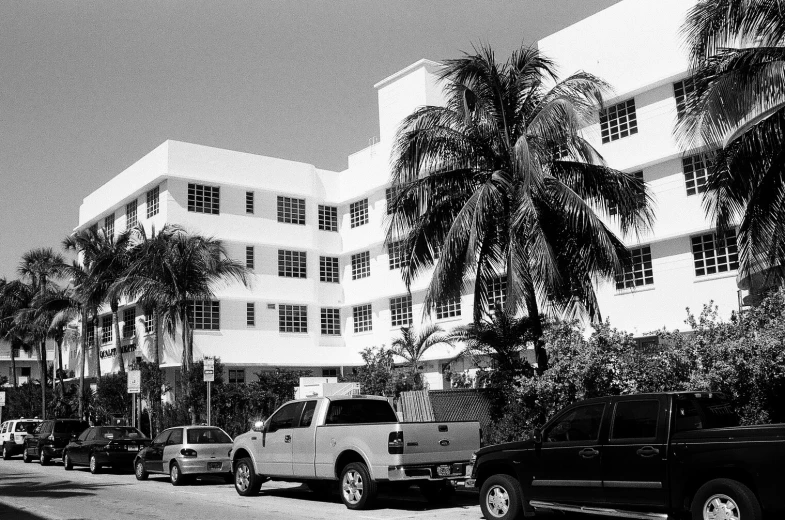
679, 393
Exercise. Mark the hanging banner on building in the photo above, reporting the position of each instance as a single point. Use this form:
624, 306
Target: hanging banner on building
134, 381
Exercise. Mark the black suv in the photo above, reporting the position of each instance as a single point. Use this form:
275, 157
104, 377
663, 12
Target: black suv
49, 439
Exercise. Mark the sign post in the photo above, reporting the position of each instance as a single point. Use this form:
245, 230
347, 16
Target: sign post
2, 405
134, 387
209, 377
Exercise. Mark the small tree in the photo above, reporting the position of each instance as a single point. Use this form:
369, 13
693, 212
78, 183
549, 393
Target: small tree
412, 347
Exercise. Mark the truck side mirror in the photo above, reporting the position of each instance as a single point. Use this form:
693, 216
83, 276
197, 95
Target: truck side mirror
537, 435
258, 426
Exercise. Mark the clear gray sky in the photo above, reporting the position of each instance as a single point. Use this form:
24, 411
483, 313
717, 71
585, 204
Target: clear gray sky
89, 87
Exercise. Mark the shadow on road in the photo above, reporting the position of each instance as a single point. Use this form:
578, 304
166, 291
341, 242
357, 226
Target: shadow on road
20, 485
13, 513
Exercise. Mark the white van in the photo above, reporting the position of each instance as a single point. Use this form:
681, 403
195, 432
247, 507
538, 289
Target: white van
13, 433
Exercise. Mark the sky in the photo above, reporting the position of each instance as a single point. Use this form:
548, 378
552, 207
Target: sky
89, 87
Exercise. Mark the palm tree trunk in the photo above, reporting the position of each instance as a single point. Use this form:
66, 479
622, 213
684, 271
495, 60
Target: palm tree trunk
539, 345
82, 363
97, 346
188, 362
42, 356
13, 366
60, 366
156, 407
118, 341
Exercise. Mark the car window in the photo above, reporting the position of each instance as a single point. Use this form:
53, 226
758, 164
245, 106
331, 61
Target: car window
4, 428
176, 437
161, 437
83, 436
308, 411
119, 432
357, 411
284, 418
578, 424
70, 426
92, 434
700, 413
25, 426
207, 436
635, 419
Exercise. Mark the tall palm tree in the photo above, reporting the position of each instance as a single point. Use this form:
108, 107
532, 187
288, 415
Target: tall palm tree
412, 346
501, 181
737, 114
14, 296
64, 308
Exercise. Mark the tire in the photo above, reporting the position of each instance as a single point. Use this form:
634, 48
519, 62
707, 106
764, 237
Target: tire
26, 456
43, 459
6, 452
732, 497
139, 472
176, 476
438, 492
500, 498
246, 482
94, 466
358, 490
68, 464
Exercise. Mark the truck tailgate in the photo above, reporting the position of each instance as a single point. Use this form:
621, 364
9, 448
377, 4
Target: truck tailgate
439, 442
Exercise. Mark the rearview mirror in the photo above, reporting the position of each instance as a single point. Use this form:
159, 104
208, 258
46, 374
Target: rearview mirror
537, 435
258, 426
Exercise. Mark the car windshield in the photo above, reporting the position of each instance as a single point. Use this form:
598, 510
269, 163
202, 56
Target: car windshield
207, 436
70, 427
28, 427
702, 412
116, 433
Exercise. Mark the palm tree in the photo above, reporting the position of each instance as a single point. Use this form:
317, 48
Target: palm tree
737, 113
64, 308
14, 296
501, 181
412, 346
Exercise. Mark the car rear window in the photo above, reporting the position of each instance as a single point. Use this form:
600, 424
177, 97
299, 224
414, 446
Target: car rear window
116, 433
70, 426
360, 411
700, 413
28, 427
207, 436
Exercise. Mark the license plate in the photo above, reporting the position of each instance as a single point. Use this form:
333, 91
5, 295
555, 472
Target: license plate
132, 448
443, 471
214, 465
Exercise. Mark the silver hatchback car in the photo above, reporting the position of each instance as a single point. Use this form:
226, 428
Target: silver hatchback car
185, 452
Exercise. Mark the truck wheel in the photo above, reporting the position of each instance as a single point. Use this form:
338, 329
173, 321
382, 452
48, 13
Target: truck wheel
67, 462
139, 472
500, 498
43, 459
358, 490
436, 492
246, 482
725, 498
6, 452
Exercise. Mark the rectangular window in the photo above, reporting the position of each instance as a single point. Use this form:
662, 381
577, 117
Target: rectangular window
361, 265
328, 218
613, 209
497, 290
329, 372
291, 264
130, 214
109, 225
250, 314
715, 254
401, 311
328, 269
362, 318
358, 213
205, 314
249, 202
331, 322
291, 210
638, 271
293, 318
695, 173
15, 351
204, 199
635, 419
391, 195
90, 332
448, 308
129, 322
681, 91
152, 202
106, 329
149, 323
396, 252
249, 257
236, 376
618, 121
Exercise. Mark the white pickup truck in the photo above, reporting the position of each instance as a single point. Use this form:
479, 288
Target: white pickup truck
357, 441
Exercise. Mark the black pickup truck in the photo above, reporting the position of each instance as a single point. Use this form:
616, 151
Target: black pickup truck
647, 456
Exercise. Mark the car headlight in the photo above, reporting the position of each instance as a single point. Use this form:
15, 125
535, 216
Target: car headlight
473, 459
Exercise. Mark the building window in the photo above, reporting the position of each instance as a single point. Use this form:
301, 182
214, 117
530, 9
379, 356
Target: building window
361, 265
130, 214
329, 372
401, 311
129, 322
291, 264
681, 91
149, 323
204, 199
152, 202
291, 210
250, 314
358, 213
328, 269
293, 318
236, 376
90, 332
695, 173
15, 351
396, 252
249, 202
618, 121
638, 272
328, 218
109, 225
613, 209
362, 318
205, 314
106, 329
449, 308
249, 257
715, 254
391, 195
331, 322
497, 291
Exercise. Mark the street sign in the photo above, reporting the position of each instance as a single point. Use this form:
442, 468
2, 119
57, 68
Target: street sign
2, 398
134, 381
209, 370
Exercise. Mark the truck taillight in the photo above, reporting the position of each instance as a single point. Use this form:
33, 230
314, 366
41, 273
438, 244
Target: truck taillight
395, 443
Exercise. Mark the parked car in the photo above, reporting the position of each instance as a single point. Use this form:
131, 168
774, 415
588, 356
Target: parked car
186, 452
13, 433
101, 446
352, 444
49, 438
651, 456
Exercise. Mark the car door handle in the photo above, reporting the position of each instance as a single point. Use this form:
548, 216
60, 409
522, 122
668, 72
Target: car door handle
287, 438
648, 451
588, 453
